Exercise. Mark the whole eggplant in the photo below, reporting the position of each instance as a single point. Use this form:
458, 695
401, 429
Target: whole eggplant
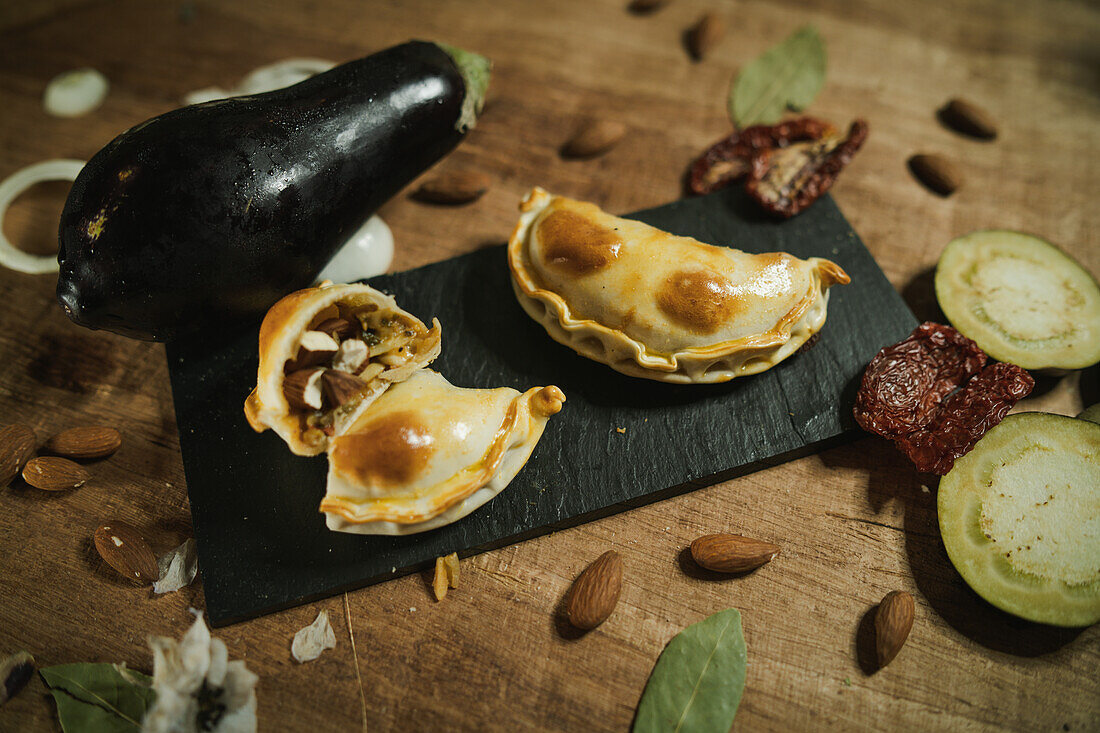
205, 216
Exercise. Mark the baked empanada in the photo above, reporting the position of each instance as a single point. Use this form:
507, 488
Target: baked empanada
325, 354
427, 453
654, 305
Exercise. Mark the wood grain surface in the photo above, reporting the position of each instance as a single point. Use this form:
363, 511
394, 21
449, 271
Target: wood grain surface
854, 522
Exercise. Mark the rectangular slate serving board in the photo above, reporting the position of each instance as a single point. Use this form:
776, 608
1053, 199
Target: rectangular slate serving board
263, 545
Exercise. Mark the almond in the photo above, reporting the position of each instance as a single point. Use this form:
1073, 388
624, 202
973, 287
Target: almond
645, 6
454, 187
123, 548
93, 441
969, 119
596, 591
732, 553
337, 328
314, 348
17, 444
893, 621
704, 35
937, 173
54, 474
340, 386
594, 138
302, 390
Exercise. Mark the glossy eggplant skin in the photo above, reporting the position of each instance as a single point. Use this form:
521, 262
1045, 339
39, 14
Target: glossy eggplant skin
203, 217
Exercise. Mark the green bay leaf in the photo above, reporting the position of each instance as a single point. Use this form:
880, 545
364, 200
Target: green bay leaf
697, 682
787, 76
97, 698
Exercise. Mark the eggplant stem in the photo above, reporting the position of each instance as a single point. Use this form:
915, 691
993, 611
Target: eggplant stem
475, 70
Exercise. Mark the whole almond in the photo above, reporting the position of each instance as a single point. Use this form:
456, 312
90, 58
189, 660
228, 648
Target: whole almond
732, 553
705, 34
594, 138
123, 548
596, 591
893, 621
937, 173
454, 187
93, 441
54, 474
968, 118
17, 444
645, 6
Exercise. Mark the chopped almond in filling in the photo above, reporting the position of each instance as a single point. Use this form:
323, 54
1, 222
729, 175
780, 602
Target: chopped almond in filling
339, 359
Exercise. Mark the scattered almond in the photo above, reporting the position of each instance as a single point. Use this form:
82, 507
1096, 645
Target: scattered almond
732, 553
94, 441
893, 621
705, 34
454, 187
596, 591
937, 173
594, 138
17, 444
968, 118
122, 547
645, 6
54, 474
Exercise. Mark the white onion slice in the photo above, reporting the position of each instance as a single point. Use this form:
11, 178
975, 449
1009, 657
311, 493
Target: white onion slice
264, 79
75, 93
368, 252
10, 188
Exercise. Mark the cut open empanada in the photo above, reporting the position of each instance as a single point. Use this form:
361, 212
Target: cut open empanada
651, 304
427, 453
325, 354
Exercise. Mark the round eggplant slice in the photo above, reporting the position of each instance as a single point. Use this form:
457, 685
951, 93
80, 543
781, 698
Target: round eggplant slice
1092, 414
1021, 299
1020, 518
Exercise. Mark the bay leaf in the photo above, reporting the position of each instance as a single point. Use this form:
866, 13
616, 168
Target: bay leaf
697, 682
787, 76
98, 698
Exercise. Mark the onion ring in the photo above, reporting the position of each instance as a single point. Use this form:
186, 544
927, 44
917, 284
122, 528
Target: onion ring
264, 79
10, 188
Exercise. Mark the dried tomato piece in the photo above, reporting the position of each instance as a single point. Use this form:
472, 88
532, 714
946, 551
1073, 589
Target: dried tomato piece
906, 395
731, 157
905, 383
787, 180
966, 416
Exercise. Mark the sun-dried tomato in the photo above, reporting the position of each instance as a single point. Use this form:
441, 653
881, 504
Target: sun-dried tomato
731, 157
966, 416
787, 180
906, 395
905, 383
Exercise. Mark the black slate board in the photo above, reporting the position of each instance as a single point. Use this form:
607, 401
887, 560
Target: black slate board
263, 545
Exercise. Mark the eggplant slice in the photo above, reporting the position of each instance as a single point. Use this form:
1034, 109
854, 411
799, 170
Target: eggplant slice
1020, 518
1021, 299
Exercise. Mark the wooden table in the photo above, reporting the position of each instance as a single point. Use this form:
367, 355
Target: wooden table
854, 522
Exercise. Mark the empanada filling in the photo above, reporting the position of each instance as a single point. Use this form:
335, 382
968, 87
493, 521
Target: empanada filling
341, 357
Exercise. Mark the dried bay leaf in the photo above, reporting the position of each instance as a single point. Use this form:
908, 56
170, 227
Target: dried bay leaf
787, 76
98, 698
697, 682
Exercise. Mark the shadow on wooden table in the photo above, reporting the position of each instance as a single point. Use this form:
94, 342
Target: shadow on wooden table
890, 476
